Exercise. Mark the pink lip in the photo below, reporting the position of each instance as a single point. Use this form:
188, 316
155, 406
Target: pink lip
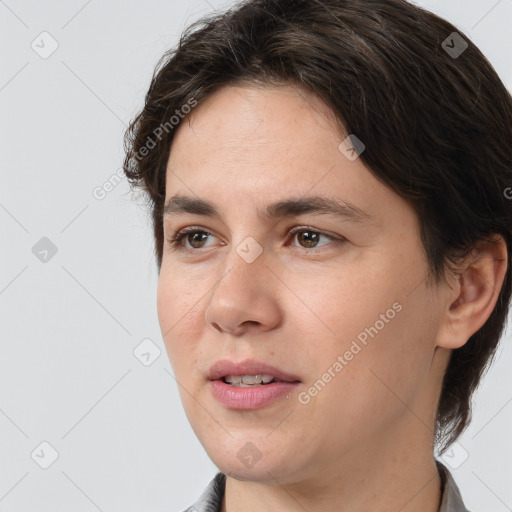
249, 397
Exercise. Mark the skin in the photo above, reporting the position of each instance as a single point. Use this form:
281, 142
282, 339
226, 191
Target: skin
365, 442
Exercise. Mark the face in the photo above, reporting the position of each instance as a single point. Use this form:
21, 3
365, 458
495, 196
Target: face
338, 302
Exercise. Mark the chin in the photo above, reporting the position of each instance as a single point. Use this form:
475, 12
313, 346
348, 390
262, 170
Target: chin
266, 474
250, 464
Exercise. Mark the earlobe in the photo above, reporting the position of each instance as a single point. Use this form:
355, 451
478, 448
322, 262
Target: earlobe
471, 301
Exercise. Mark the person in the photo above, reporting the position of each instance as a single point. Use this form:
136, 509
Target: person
329, 183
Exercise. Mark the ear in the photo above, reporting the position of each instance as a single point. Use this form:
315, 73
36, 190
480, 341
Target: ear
474, 293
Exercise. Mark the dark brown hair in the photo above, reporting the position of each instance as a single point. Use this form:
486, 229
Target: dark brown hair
436, 123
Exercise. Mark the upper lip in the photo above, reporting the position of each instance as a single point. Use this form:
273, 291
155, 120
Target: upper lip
224, 367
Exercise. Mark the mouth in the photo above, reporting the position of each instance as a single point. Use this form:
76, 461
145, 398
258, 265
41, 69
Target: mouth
248, 381
248, 373
249, 384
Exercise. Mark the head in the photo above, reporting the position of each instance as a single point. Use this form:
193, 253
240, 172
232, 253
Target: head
257, 106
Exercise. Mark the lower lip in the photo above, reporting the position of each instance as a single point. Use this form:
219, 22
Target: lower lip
236, 397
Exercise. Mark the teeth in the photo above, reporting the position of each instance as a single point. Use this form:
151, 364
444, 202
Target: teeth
248, 380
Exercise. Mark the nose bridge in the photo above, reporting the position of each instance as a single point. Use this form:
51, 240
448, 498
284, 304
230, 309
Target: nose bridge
245, 263
242, 294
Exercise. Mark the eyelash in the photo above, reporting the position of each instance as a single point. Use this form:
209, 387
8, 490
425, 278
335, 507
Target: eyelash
175, 242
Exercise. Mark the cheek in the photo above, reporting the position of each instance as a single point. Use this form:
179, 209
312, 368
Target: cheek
368, 393
177, 298
395, 357
341, 304
178, 308
384, 336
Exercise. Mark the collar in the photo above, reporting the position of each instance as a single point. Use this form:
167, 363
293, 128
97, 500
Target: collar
211, 498
452, 499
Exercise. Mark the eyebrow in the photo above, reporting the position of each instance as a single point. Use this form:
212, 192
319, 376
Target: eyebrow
284, 208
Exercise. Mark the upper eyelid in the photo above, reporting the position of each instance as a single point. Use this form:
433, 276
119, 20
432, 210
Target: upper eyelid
188, 229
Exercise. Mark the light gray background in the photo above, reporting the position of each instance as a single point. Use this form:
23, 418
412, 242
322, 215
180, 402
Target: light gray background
69, 326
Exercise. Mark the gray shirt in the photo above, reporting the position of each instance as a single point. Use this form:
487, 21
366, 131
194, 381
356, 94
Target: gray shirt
211, 498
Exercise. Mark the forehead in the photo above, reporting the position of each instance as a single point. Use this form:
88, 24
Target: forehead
266, 145
261, 123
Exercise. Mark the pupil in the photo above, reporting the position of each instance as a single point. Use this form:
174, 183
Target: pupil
197, 237
309, 234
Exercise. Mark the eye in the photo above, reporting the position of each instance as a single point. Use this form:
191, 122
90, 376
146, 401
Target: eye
192, 234
311, 237
308, 238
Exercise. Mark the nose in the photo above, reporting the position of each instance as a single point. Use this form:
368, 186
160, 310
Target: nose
245, 298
